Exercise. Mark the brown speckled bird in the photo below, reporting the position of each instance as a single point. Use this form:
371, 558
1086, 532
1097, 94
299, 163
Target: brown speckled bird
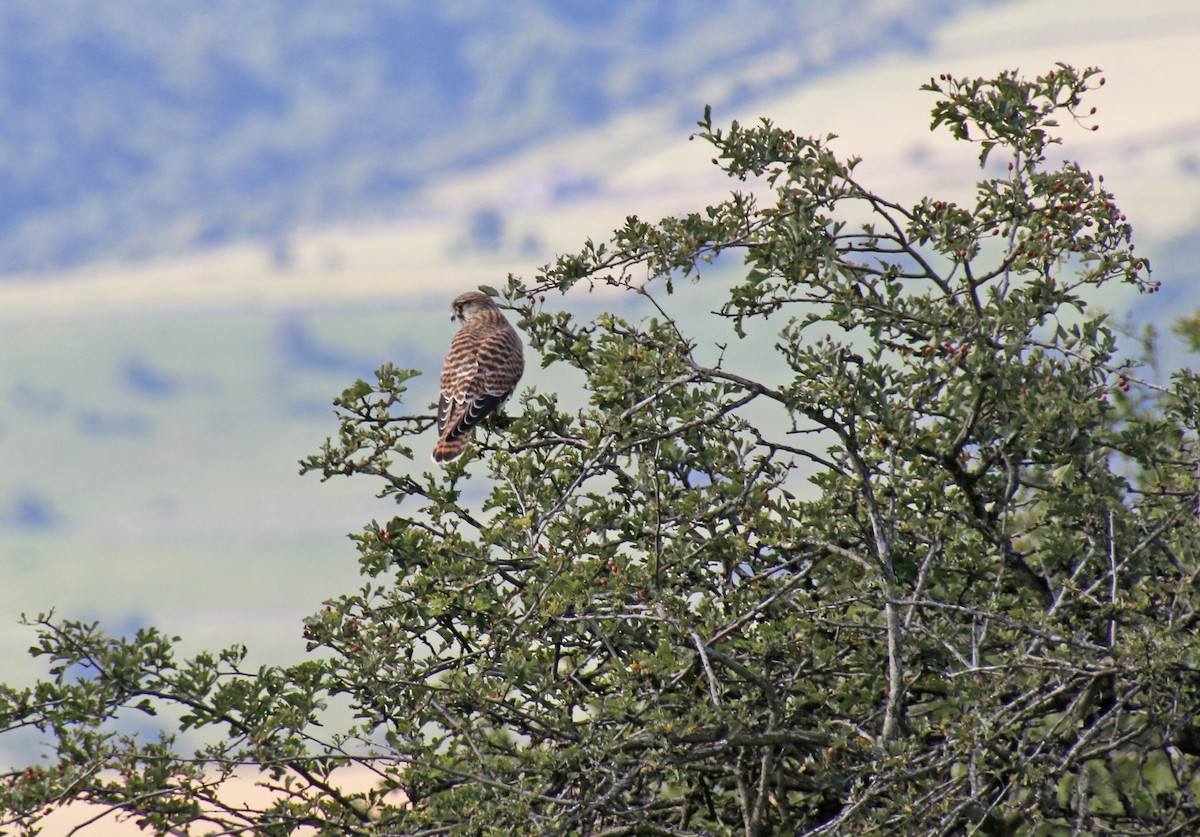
481, 371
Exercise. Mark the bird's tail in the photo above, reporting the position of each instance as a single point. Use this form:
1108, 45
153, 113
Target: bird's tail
450, 448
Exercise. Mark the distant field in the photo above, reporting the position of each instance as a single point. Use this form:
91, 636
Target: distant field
151, 468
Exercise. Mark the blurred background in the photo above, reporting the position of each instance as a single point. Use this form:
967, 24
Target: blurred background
216, 216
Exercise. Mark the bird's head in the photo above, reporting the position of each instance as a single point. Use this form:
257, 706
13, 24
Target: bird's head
470, 304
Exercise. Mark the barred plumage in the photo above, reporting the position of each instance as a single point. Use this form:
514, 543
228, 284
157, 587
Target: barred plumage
481, 371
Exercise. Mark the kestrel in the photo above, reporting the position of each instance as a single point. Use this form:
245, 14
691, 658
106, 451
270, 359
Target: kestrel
481, 371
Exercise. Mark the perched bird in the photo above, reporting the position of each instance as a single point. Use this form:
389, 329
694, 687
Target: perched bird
481, 371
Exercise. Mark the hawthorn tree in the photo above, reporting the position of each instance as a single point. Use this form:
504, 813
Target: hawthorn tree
933, 574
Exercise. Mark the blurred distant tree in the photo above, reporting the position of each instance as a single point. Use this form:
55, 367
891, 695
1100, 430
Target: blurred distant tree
1188, 328
486, 229
978, 616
